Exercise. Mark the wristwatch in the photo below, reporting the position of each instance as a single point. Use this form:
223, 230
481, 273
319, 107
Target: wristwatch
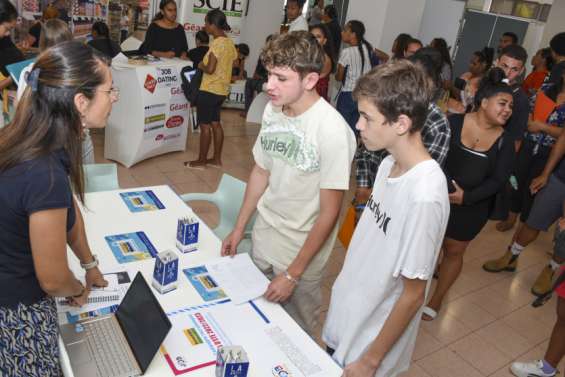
91, 265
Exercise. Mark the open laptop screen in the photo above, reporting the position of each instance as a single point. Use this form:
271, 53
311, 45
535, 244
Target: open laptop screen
143, 321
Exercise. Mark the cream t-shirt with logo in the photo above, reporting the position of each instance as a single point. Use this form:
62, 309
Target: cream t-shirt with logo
303, 154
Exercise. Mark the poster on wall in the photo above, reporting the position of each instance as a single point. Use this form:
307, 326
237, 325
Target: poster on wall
193, 12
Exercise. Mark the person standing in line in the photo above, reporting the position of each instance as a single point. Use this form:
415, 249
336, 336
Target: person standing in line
435, 133
302, 166
549, 191
196, 55
506, 39
353, 62
255, 84
557, 46
295, 17
547, 367
70, 89
447, 67
377, 298
214, 88
412, 46
542, 63
322, 35
315, 13
101, 40
330, 18
478, 165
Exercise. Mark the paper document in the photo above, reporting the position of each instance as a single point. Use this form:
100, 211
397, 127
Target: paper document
238, 277
100, 300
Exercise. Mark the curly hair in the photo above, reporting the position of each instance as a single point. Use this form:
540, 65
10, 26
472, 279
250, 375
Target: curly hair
298, 50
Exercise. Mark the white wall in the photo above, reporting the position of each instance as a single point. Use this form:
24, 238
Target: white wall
554, 22
441, 19
402, 16
372, 13
264, 18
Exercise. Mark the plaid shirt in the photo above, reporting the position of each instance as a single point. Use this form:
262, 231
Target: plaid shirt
436, 135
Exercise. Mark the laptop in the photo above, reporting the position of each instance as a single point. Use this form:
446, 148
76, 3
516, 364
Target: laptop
121, 344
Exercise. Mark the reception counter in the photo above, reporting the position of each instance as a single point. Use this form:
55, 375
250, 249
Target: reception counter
152, 116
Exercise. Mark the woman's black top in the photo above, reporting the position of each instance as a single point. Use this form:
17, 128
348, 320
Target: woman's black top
31, 186
164, 40
106, 46
481, 175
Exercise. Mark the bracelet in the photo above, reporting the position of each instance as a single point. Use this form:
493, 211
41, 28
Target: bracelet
290, 278
91, 265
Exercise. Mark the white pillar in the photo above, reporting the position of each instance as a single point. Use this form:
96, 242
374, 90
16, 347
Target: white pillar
264, 18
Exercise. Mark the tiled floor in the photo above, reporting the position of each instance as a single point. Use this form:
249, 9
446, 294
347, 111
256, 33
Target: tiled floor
487, 321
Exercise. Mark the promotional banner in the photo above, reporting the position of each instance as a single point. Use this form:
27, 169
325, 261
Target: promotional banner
193, 12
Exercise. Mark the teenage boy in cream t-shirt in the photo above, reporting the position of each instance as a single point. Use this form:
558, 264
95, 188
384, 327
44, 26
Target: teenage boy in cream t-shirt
376, 301
303, 158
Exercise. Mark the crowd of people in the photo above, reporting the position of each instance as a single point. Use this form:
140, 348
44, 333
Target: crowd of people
434, 158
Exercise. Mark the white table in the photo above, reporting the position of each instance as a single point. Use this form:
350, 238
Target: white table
106, 214
151, 118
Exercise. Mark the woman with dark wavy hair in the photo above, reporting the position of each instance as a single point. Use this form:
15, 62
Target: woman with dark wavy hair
478, 165
69, 89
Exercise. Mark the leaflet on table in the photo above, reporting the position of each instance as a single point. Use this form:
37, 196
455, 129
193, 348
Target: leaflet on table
198, 331
141, 201
239, 277
204, 283
100, 301
131, 247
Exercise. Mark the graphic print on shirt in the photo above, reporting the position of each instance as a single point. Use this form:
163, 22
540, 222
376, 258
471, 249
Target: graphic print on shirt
289, 145
381, 217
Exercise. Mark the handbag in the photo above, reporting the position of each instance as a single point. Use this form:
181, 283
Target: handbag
191, 80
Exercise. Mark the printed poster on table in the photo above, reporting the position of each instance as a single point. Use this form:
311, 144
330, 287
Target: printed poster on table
131, 247
198, 331
141, 201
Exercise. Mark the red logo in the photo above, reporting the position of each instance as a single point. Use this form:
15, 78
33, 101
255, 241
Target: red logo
174, 121
150, 83
159, 137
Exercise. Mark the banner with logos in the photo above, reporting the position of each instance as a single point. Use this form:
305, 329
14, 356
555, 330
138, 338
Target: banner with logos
193, 12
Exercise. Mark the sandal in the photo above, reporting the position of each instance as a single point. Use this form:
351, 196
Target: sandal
427, 311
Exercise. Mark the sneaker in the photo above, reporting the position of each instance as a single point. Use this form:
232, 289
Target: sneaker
507, 262
544, 282
531, 369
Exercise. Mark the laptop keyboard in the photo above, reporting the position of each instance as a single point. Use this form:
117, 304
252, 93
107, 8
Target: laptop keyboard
109, 348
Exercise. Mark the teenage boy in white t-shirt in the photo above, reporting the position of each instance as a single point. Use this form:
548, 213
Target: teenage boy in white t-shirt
303, 158
376, 301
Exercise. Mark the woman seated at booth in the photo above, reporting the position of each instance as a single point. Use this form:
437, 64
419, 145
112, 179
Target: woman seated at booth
101, 40
165, 37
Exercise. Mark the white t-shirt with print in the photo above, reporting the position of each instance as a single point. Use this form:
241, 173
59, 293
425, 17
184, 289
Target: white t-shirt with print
399, 235
350, 58
298, 24
303, 154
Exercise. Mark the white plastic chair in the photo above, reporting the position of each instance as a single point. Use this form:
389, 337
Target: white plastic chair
228, 197
100, 177
255, 112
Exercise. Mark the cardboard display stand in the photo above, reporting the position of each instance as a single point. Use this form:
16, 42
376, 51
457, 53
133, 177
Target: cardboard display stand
152, 116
